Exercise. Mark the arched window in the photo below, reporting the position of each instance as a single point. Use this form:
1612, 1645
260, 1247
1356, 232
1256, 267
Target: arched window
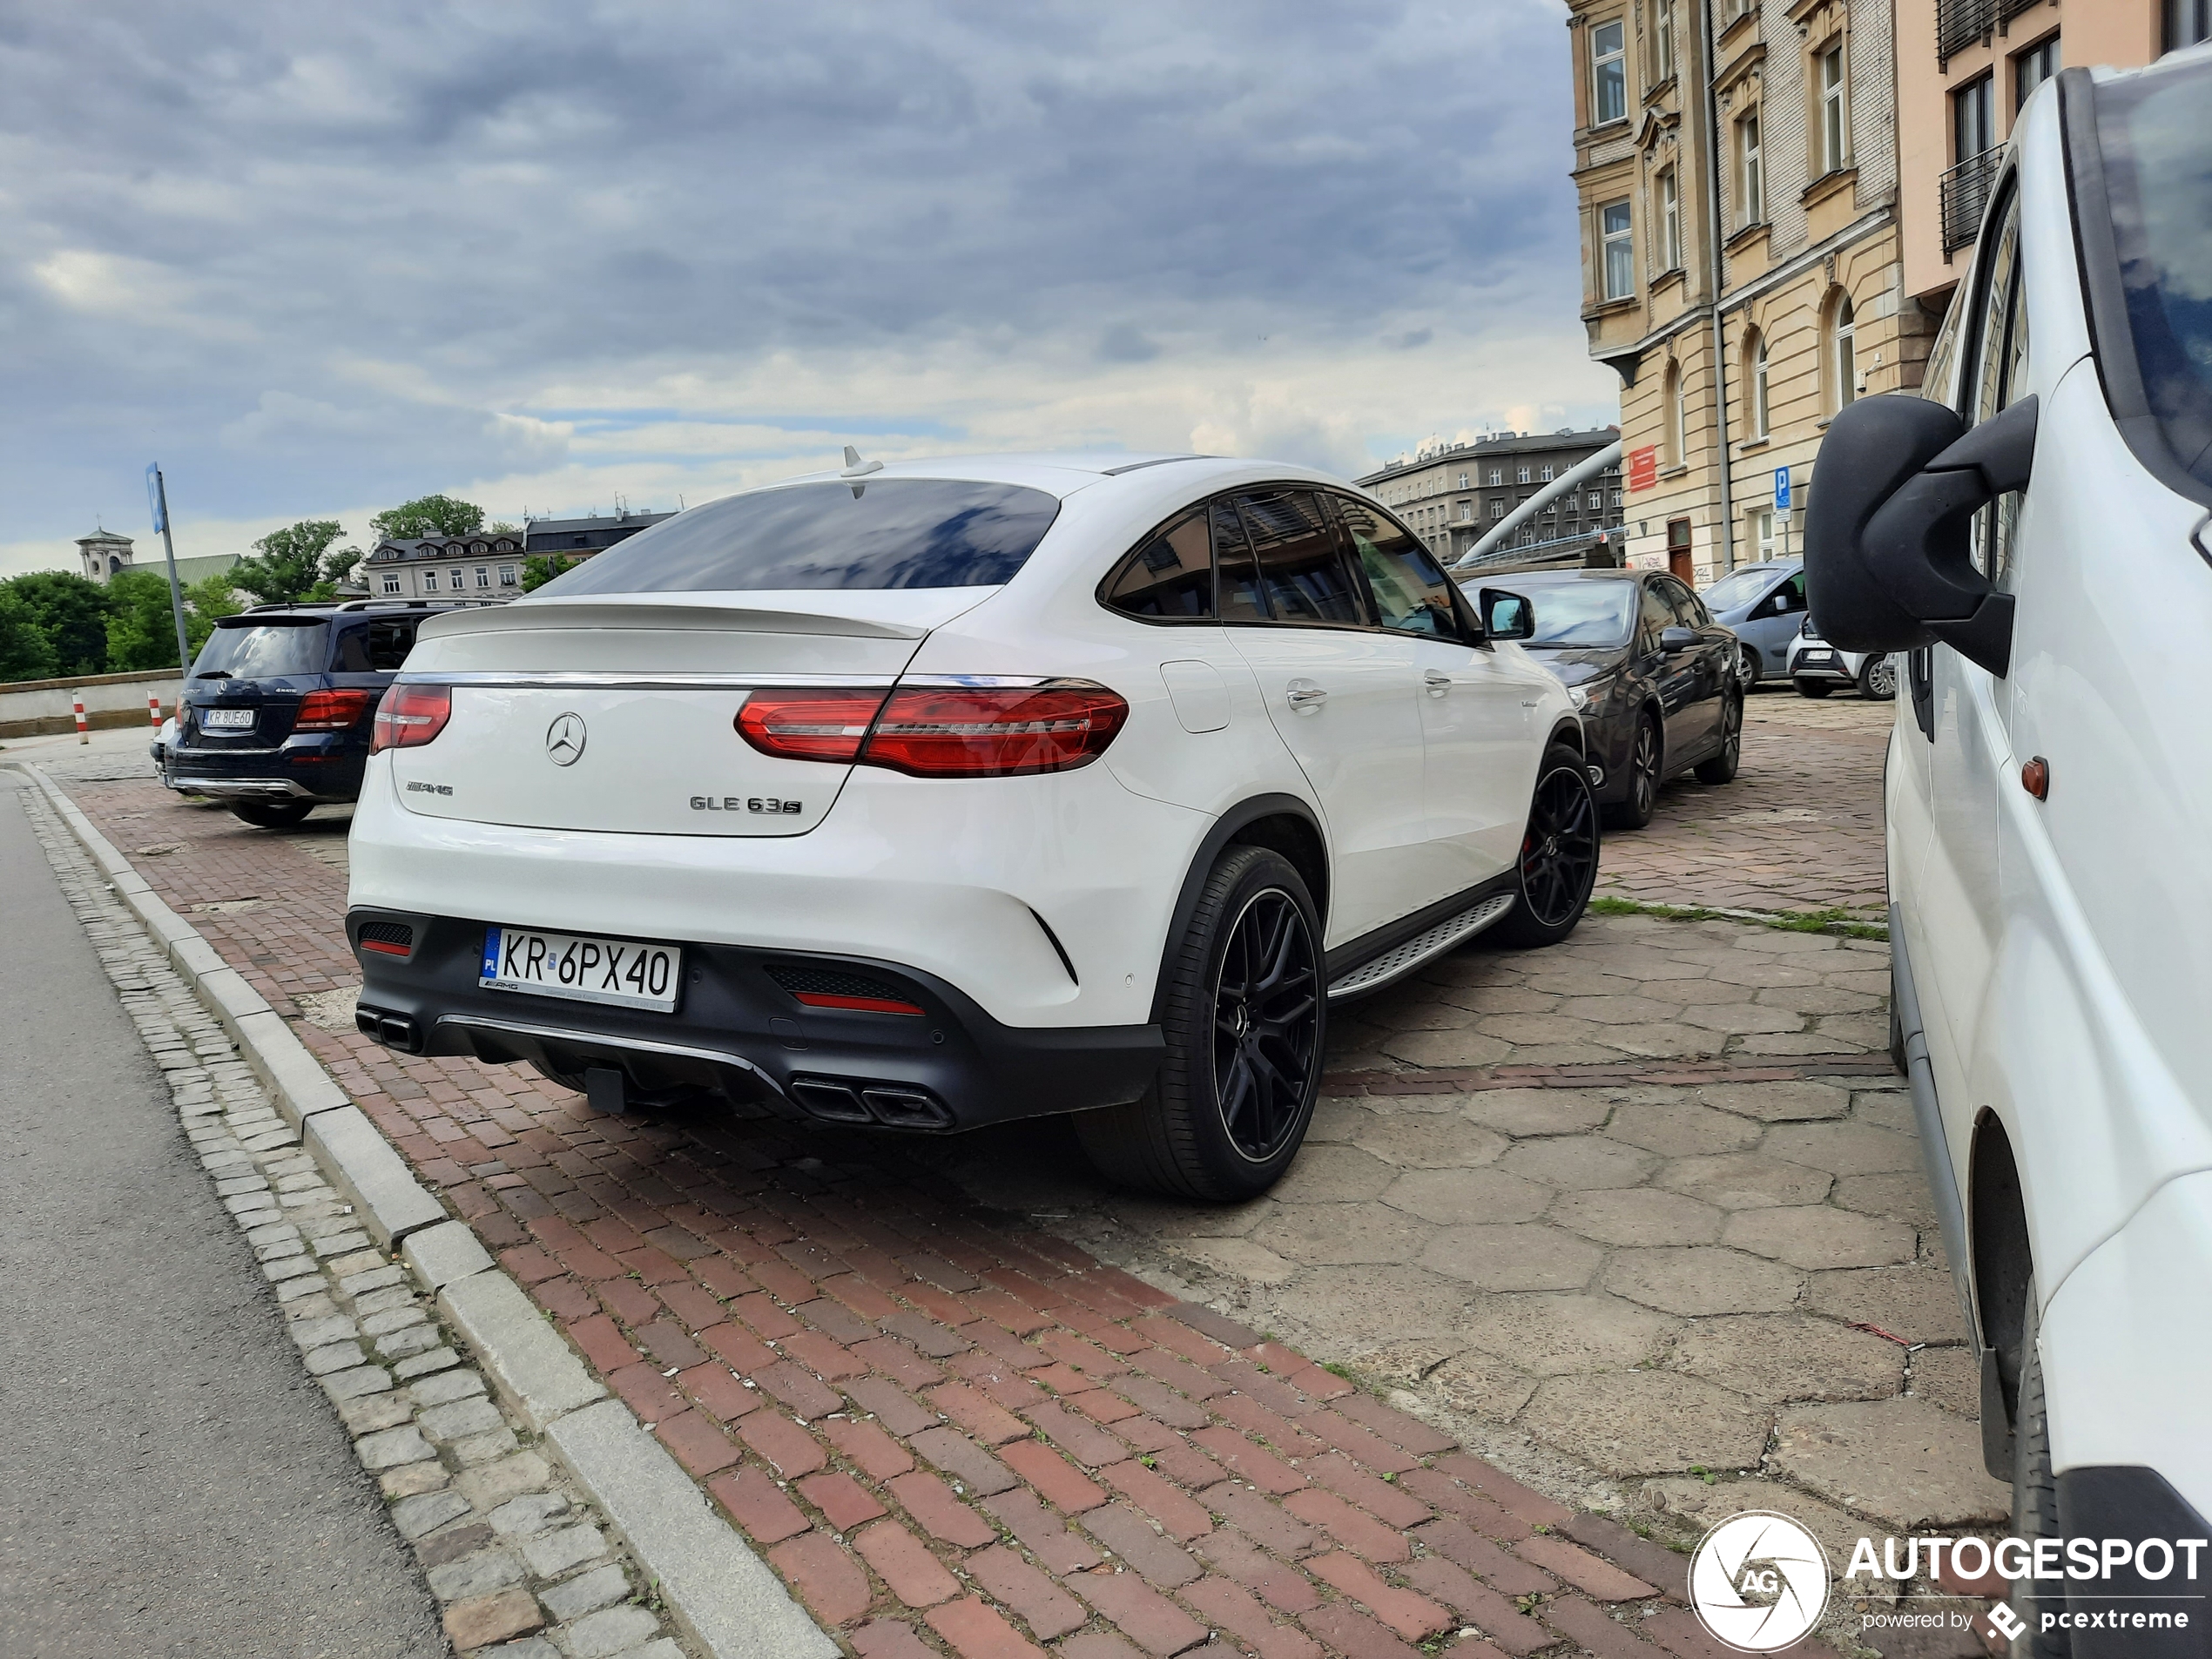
1843, 353
1677, 441
1755, 378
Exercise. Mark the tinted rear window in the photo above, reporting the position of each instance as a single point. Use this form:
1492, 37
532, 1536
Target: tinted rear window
883, 533
265, 650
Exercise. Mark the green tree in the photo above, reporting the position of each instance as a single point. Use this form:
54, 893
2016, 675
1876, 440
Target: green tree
427, 515
538, 569
25, 652
291, 562
142, 632
70, 612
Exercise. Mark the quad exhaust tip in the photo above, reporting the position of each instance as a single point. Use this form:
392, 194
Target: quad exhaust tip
854, 1099
393, 1030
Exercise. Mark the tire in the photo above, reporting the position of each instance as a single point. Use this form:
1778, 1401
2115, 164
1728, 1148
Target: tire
272, 815
1722, 767
1229, 1108
1646, 764
1877, 678
2035, 1500
1812, 688
1748, 671
1559, 854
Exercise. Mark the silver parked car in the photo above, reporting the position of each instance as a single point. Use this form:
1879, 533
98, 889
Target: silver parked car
1762, 605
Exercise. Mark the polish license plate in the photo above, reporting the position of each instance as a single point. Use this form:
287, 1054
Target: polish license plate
582, 969
227, 719
1825, 658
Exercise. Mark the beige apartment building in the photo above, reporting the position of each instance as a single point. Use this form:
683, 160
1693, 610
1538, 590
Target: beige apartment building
1737, 179
1964, 70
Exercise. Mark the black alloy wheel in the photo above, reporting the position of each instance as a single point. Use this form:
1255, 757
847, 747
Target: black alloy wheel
1267, 1013
1721, 766
1645, 758
1558, 855
1244, 1024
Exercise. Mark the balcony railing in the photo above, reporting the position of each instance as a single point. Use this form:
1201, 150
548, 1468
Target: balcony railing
1964, 193
1960, 24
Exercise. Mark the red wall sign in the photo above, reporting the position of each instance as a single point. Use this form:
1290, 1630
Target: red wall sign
1644, 466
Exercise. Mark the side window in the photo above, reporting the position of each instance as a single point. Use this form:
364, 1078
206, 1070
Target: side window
350, 653
388, 644
1688, 612
1170, 577
1237, 595
1412, 593
1657, 615
1999, 378
1305, 576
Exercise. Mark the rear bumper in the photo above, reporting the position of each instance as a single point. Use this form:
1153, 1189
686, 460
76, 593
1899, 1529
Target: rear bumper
736, 1031
1837, 668
305, 769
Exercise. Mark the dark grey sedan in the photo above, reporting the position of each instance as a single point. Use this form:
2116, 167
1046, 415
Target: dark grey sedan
1655, 675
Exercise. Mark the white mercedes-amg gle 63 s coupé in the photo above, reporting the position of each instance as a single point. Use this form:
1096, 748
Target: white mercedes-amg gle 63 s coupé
940, 793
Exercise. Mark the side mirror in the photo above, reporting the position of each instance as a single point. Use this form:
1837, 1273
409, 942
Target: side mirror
1506, 616
1675, 639
1888, 532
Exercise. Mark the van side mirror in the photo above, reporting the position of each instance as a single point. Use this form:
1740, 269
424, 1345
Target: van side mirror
1889, 528
1506, 616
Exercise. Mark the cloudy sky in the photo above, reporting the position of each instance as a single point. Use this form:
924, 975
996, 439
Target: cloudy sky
317, 260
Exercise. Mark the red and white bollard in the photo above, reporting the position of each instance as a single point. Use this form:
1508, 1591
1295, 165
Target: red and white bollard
84, 727
154, 709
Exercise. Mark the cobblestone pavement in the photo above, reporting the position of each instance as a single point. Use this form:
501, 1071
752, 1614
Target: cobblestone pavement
1799, 829
1618, 1216
516, 1564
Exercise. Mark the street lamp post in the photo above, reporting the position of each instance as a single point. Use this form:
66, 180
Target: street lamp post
158, 498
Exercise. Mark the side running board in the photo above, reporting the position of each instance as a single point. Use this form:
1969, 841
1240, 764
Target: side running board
1395, 964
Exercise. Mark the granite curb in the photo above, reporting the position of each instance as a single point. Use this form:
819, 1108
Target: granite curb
714, 1587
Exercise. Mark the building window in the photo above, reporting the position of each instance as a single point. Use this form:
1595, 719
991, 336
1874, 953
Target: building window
1521, 475
1497, 477
1834, 114
1664, 39
483, 576
1545, 474
1973, 118
1762, 529
1608, 72
454, 580
1463, 481
1497, 511
1467, 511
1597, 500
1750, 173
2032, 68
1760, 406
1844, 353
1677, 435
1619, 250
1669, 221
506, 575
391, 581
429, 582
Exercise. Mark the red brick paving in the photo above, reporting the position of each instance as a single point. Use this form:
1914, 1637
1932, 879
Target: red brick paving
950, 1433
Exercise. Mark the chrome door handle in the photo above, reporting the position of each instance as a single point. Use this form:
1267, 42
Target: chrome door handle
1439, 683
1305, 696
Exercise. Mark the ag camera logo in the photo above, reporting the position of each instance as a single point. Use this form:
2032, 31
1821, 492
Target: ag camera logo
1758, 1582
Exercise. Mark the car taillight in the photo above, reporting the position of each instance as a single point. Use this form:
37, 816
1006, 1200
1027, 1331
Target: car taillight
808, 725
994, 732
332, 710
410, 715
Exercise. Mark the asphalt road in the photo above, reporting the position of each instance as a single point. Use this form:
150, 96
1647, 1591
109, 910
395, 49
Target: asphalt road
170, 1482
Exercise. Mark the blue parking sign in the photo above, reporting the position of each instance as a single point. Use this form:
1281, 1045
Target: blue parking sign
1782, 489
154, 497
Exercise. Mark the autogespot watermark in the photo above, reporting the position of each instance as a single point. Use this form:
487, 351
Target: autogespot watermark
1760, 1580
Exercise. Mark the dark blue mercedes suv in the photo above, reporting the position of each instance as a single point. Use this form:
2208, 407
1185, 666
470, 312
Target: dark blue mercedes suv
276, 718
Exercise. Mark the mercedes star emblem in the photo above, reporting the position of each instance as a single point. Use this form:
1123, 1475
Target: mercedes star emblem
564, 741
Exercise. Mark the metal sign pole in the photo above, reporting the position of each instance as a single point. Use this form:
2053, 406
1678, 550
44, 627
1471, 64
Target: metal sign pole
158, 496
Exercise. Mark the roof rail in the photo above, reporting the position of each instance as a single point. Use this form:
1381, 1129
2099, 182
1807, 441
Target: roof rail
415, 604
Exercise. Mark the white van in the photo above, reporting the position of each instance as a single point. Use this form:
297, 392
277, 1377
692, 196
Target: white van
2032, 528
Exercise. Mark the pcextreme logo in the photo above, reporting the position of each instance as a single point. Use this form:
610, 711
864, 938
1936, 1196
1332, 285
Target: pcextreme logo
1758, 1582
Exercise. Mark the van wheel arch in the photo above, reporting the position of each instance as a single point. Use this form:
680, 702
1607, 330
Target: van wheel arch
2004, 1268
